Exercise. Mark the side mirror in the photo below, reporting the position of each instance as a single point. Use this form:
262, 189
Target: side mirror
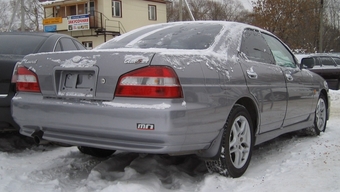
307, 62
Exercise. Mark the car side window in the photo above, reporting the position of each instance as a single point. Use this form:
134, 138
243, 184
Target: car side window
67, 44
57, 47
317, 61
337, 60
255, 48
79, 45
282, 55
327, 61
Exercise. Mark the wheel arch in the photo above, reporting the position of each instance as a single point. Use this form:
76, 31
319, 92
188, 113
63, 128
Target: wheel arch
251, 107
214, 150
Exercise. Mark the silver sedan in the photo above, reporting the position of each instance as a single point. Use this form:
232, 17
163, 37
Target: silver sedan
210, 88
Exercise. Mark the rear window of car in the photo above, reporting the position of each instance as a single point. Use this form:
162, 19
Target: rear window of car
184, 36
20, 44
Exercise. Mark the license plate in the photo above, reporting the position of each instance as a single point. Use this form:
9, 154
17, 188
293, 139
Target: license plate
77, 84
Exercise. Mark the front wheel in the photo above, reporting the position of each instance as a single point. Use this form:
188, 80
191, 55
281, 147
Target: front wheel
236, 146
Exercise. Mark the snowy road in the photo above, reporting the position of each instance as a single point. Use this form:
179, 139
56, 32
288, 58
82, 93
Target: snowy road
288, 163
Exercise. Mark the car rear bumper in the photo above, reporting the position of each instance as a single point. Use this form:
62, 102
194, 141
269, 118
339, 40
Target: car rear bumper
113, 125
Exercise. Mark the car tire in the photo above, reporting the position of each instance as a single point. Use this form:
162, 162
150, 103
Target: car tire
95, 151
236, 145
320, 119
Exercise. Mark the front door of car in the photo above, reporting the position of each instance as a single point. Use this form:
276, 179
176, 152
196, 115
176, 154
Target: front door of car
265, 80
301, 93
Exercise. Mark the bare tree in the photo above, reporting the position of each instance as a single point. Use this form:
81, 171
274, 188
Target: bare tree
4, 15
230, 10
296, 22
33, 12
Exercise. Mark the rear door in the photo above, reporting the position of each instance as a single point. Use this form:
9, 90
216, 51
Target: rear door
301, 91
265, 80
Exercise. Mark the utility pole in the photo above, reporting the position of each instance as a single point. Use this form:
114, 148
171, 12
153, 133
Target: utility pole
180, 10
190, 13
22, 15
13, 15
321, 27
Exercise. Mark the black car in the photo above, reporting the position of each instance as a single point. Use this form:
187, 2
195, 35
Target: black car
13, 47
326, 65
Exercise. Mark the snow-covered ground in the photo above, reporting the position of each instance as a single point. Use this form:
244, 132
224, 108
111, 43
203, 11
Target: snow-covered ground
288, 163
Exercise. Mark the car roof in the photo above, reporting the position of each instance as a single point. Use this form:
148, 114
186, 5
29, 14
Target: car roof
45, 34
38, 42
231, 31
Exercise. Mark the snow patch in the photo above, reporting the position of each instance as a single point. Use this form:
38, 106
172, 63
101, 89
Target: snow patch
136, 59
76, 61
74, 94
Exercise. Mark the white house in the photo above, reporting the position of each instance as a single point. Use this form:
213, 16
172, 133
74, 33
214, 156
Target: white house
93, 22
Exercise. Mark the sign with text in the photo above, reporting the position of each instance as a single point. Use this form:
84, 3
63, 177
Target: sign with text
52, 20
50, 28
78, 22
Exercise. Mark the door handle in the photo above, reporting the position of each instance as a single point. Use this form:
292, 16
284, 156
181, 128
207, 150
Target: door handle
252, 74
289, 77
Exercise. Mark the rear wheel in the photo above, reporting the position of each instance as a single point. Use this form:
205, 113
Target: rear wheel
236, 146
95, 151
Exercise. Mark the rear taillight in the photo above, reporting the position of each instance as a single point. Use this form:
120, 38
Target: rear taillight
25, 79
152, 82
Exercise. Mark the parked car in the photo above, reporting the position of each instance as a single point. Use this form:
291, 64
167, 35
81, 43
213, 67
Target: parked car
326, 65
14, 46
210, 88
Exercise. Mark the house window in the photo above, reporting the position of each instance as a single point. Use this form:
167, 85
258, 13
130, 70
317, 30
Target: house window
87, 44
152, 12
72, 10
116, 9
91, 8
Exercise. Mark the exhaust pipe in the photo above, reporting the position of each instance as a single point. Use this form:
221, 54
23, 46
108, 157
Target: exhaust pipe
37, 138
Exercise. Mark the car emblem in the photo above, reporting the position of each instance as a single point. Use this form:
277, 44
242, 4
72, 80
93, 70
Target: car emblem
76, 59
145, 126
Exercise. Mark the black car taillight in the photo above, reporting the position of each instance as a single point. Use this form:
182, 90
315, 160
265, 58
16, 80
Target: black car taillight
150, 82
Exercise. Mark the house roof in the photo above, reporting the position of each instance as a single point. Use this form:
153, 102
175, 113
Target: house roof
159, 1
48, 2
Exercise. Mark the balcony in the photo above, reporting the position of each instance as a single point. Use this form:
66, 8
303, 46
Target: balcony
65, 18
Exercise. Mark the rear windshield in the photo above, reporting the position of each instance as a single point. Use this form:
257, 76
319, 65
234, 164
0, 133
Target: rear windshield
177, 36
20, 44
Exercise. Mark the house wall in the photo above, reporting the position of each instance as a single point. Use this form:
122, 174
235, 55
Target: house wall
134, 15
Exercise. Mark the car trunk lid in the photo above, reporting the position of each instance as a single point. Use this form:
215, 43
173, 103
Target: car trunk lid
85, 75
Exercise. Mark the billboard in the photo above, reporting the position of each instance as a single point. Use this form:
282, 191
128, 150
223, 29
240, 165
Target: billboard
78, 22
50, 28
52, 20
